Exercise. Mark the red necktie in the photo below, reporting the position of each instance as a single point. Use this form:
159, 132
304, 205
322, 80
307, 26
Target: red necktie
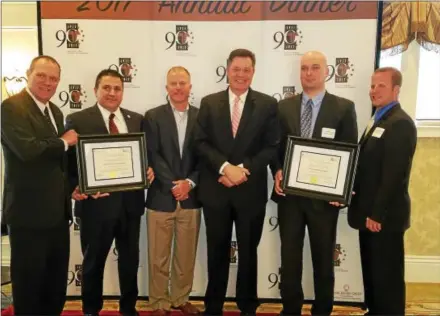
236, 115
111, 125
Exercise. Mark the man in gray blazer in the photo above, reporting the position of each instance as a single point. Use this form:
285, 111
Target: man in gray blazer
314, 113
173, 210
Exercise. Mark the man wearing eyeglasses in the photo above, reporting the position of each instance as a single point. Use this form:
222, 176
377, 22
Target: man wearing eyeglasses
236, 136
36, 202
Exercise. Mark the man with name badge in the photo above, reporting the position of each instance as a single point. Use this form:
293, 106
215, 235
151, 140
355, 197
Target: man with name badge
315, 113
380, 208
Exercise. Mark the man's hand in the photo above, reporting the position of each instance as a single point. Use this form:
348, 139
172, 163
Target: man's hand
225, 181
278, 179
78, 196
337, 204
181, 189
99, 195
150, 175
235, 174
70, 137
373, 226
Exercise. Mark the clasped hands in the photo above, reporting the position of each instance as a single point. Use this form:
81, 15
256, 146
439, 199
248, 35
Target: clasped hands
78, 196
233, 175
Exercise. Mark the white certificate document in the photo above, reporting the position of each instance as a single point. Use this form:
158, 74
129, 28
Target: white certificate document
113, 163
318, 169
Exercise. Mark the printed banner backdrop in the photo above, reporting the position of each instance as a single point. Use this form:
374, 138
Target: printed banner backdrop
142, 40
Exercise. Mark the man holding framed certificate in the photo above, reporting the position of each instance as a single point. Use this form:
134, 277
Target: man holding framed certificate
108, 216
320, 115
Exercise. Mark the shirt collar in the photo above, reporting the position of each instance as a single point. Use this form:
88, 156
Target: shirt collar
175, 110
380, 112
106, 113
317, 100
232, 96
40, 104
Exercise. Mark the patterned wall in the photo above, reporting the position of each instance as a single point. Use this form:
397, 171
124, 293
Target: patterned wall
423, 238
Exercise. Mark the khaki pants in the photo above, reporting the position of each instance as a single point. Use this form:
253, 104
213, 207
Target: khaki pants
182, 225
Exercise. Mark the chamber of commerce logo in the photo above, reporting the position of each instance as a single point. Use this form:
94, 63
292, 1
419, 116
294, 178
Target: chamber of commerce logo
342, 71
346, 287
274, 279
288, 92
75, 275
339, 255
182, 38
75, 97
291, 37
73, 36
126, 68
233, 253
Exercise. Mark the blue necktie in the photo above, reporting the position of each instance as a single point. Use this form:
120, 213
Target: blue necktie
306, 120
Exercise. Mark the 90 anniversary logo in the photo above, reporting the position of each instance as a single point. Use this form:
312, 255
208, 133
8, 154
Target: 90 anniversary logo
182, 38
73, 36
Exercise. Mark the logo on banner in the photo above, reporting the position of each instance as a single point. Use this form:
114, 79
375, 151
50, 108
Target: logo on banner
274, 279
273, 223
75, 275
125, 68
342, 72
75, 97
347, 294
73, 36
338, 255
182, 38
291, 38
288, 92
233, 253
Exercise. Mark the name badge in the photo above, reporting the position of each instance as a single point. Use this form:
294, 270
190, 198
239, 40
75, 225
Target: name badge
378, 131
328, 132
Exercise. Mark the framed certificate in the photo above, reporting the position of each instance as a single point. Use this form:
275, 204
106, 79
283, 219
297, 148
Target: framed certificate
320, 169
109, 163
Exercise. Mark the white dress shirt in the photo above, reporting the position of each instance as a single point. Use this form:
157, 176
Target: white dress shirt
118, 119
232, 98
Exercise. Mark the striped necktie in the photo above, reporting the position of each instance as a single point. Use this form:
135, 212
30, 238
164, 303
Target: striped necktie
306, 120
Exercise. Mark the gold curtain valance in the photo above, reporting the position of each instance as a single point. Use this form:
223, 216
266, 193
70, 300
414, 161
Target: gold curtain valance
403, 22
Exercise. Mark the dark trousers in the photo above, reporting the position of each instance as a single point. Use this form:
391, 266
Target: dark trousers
294, 215
39, 269
249, 226
383, 270
96, 239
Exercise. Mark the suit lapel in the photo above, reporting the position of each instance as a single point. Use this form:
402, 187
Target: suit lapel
295, 118
225, 115
33, 107
58, 118
171, 122
325, 111
131, 126
98, 120
367, 136
189, 126
248, 110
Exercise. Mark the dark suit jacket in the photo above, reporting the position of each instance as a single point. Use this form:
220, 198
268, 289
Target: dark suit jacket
254, 145
36, 191
383, 172
335, 112
87, 122
164, 157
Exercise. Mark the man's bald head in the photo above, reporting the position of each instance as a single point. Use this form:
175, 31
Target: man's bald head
313, 72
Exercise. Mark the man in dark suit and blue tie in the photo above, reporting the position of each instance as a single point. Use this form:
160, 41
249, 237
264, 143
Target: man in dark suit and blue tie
236, 137
173, 214
105, 217
314, 113
381, 207
36, 199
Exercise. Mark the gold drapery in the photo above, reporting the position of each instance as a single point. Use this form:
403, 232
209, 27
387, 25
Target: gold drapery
402, 22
